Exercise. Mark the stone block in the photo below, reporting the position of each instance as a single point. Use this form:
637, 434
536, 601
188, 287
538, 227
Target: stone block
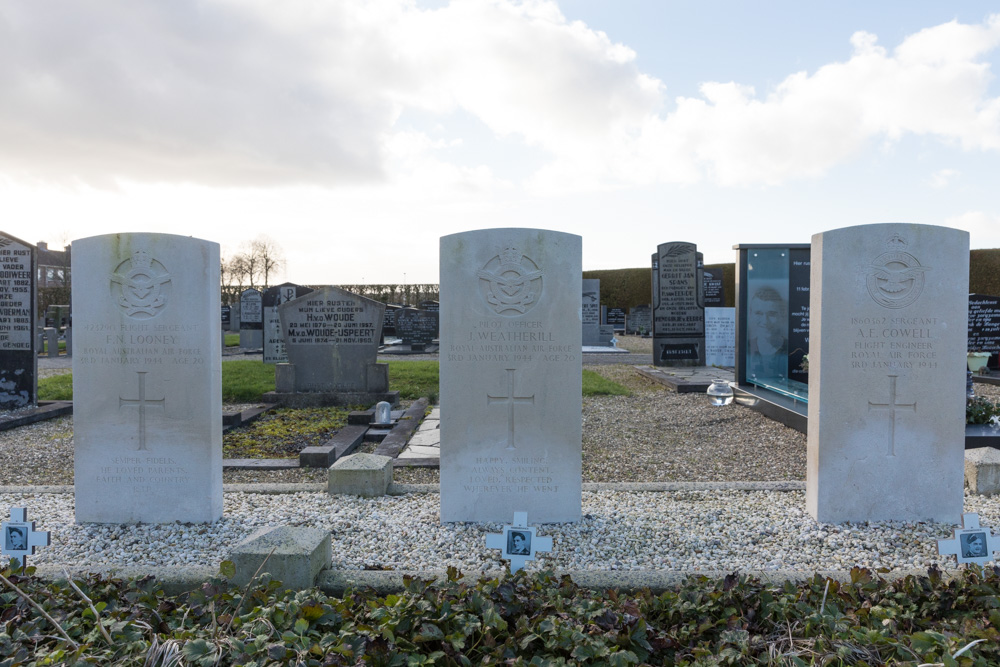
297, 558
982, 470
284, 377
366, 475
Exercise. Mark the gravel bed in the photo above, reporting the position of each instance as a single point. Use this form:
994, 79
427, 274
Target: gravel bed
680, 530
654, 435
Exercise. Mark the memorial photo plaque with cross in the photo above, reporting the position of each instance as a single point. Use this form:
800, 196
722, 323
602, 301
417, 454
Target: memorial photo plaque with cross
19, 537
518, 542
971, 543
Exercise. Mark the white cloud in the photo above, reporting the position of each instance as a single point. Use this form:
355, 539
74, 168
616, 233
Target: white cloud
249, 92
943, 177
983, 228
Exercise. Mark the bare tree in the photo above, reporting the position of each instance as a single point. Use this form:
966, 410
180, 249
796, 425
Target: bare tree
268, 258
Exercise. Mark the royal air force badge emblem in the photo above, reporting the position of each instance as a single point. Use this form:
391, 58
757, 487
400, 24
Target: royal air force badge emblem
510, 282
139, 285
895, 278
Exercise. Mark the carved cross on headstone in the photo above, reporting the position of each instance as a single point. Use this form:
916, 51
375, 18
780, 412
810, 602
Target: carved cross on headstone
970, 543
891, 406
511, 400
518, 542
141, 403
20, 537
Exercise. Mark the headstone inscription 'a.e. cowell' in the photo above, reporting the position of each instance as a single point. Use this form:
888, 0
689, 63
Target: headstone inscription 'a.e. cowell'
147, 379
18, 344
510, 375
886, 373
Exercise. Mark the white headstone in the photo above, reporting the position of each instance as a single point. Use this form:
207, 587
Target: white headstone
147, 379
720, 337
510, 375
886, 373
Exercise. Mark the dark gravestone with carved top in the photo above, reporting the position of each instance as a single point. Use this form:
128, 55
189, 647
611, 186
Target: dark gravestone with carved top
274, 339
984, 326
678, 310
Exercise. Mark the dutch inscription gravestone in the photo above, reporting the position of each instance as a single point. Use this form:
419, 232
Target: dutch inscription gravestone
510, 375
147, 384
678, 313
18, 344
274, 338
591, 313
984, 326
332, 337
417, 328
886, 389
251, 320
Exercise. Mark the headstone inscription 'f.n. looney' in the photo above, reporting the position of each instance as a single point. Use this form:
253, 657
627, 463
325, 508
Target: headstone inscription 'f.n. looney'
331, 337
510, 375
147, 379
678, 310
274, 339
887, 342
18, 344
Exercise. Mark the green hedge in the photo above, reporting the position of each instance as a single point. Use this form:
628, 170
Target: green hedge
984, 272
625, 288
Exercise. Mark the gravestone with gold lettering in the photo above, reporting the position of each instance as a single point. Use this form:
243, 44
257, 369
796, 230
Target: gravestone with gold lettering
886, 434
147, 379
510, 375
18, 345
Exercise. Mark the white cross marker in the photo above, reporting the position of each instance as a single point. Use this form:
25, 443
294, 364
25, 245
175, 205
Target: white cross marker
518, 543
19, 537
970, 543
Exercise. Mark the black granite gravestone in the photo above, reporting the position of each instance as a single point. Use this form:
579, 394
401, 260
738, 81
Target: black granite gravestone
18, 305
984, 326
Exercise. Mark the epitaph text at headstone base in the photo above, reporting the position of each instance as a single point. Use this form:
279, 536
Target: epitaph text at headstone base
332, 338
720, 337
886, 389
510, 375
251, 319
18, 344
591, 311
678, 314
984, 326
274, 337
147, 387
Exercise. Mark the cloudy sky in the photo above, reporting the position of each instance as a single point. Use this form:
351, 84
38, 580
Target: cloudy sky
356, 133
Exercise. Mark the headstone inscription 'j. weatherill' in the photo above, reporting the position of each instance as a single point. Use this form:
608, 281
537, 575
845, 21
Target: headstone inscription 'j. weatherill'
510, 375
147, 379
886, 383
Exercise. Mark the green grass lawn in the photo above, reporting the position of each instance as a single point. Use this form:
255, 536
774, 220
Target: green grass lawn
246, 380
232, 340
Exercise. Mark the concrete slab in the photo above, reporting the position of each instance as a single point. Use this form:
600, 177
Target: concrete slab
982, 470
366, 475
292, 554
